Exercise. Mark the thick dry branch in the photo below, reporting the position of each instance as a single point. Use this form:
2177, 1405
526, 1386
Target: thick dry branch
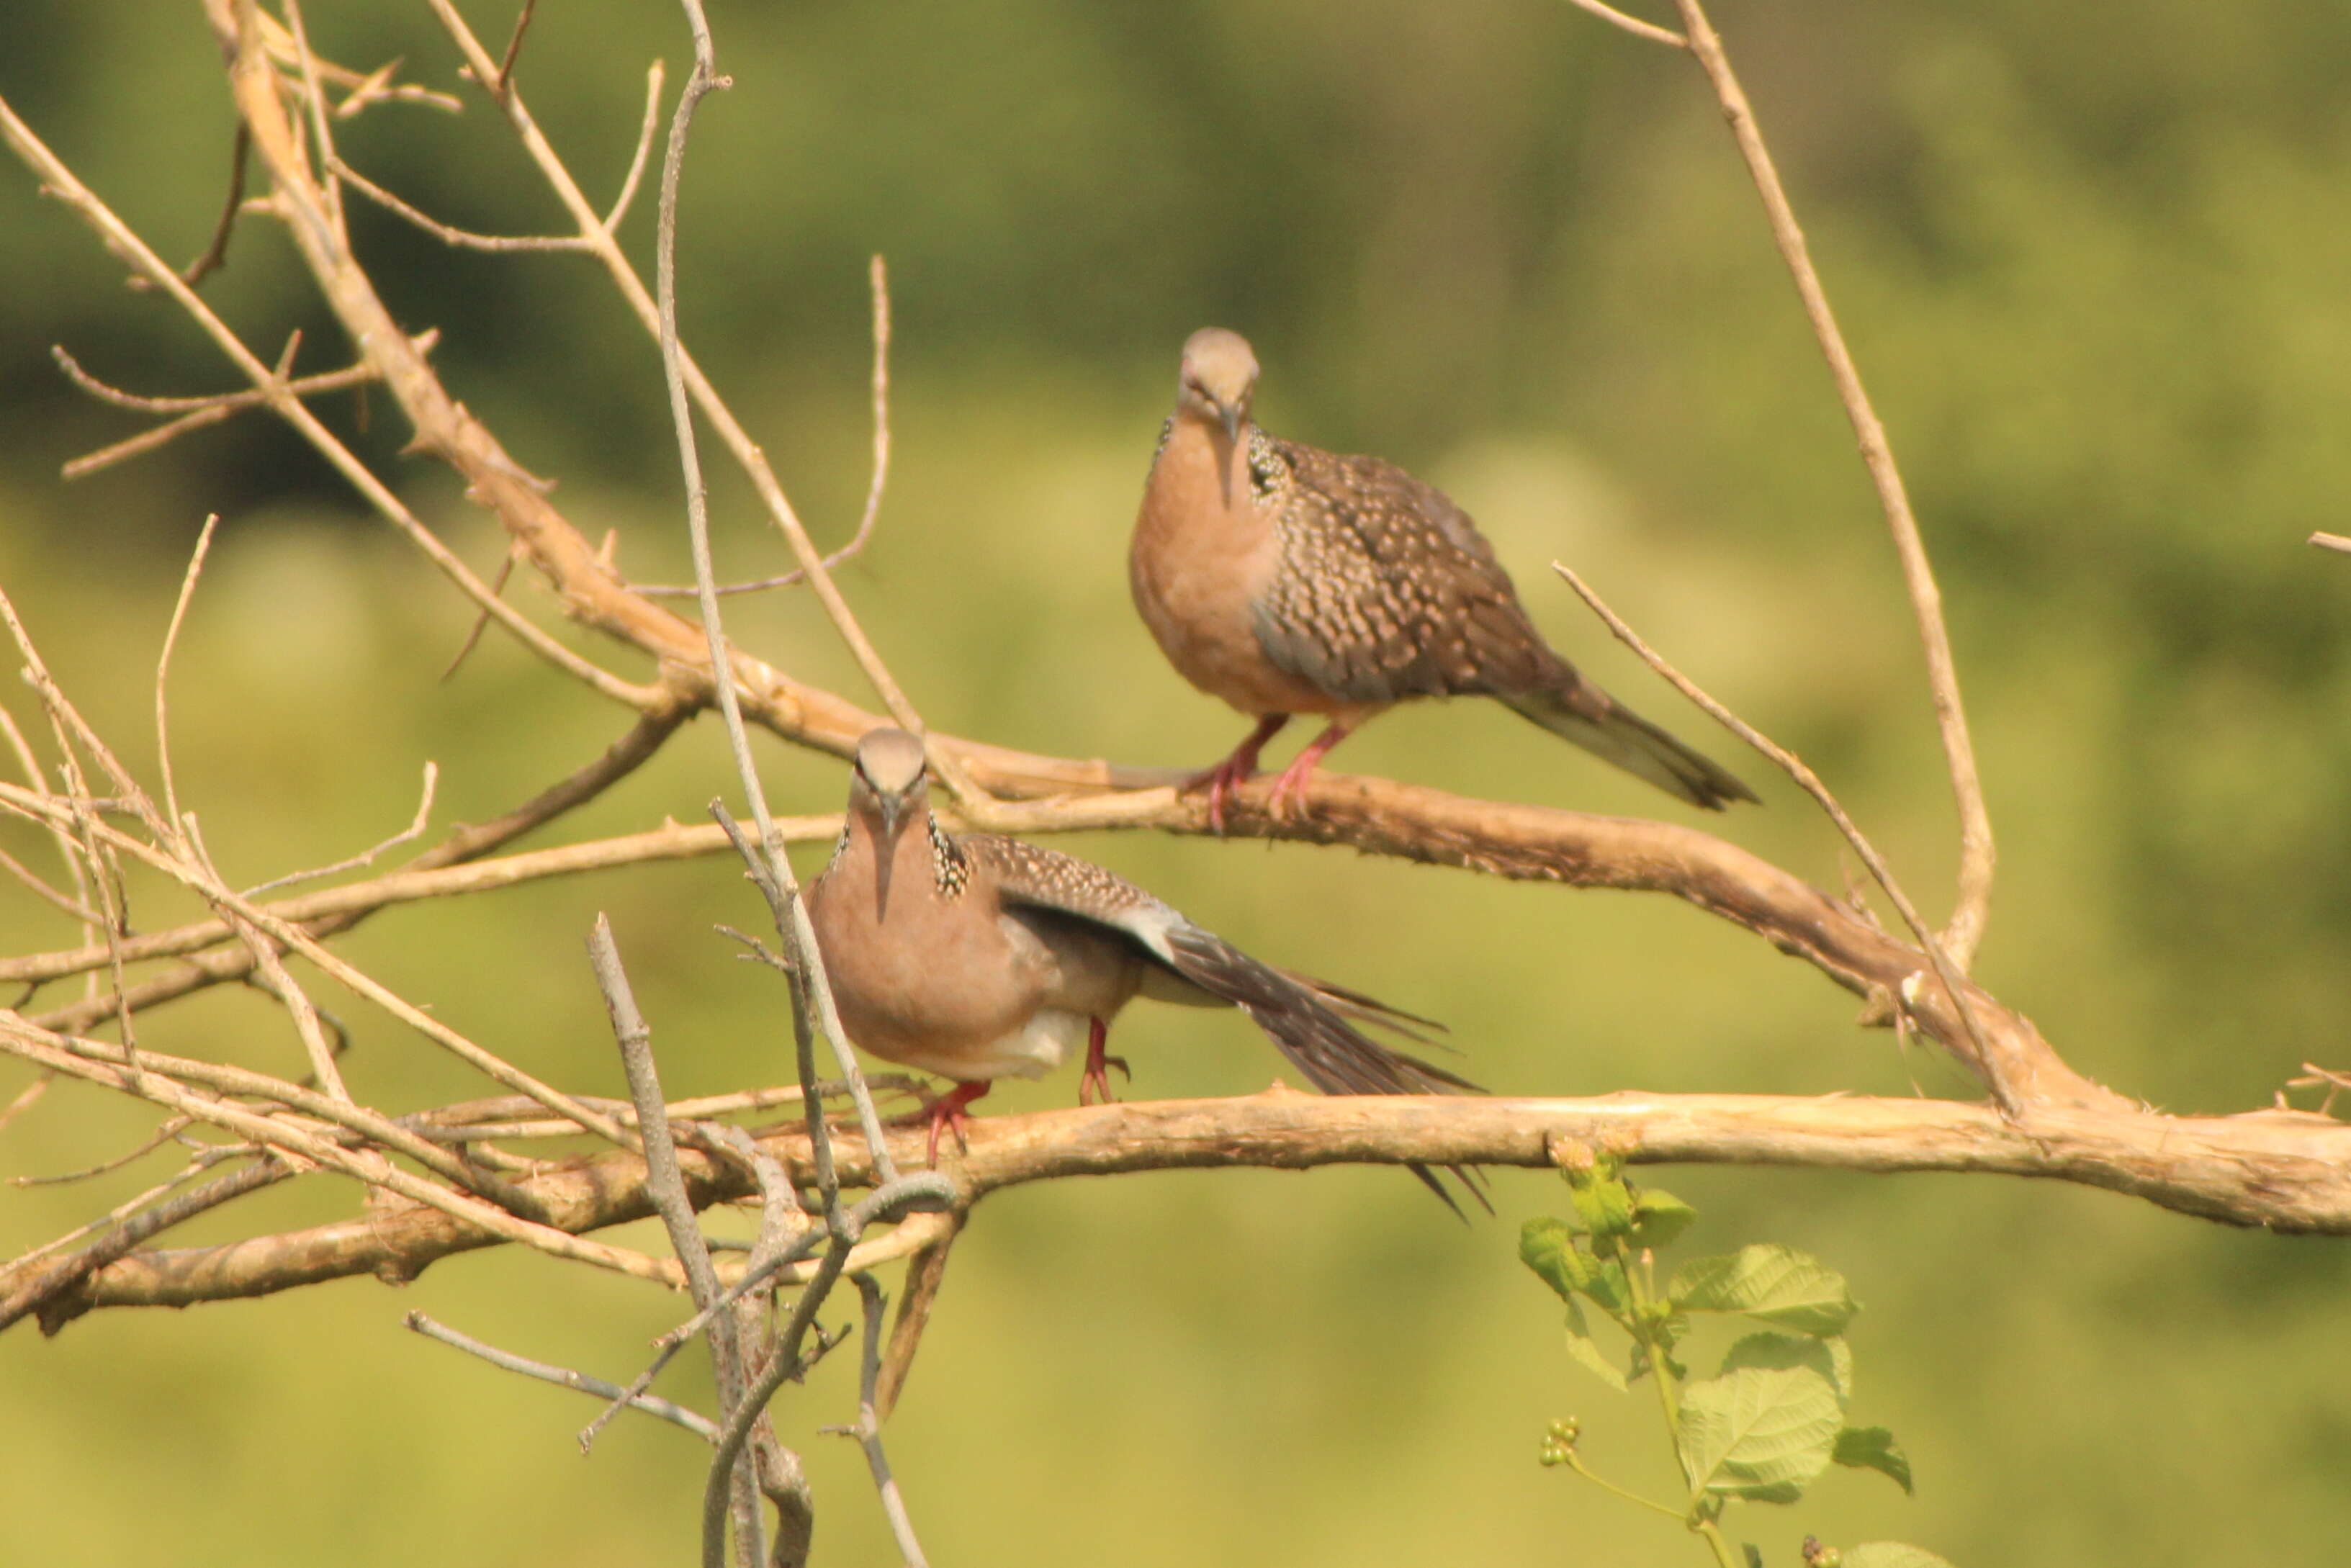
2285, 1170
1406, 821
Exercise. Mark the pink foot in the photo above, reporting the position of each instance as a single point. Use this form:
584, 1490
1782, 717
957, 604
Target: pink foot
1236, 771
1289, 797
1097, 1078
950, 1110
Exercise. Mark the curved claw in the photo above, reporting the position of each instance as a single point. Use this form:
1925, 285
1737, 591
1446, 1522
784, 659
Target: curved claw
1234, 771
1097, 1083
1096, 1080
1220, 781
947, 1111
1289, 797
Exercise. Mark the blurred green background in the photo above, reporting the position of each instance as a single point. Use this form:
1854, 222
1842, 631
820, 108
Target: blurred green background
2096, 262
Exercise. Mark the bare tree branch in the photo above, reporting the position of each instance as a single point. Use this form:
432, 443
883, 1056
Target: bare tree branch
677, 1414
1633, 25
1986, 1064
1971, 908
2287, 1171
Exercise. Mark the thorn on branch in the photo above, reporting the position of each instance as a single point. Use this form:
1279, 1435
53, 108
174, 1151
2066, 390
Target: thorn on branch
216, 254
514, 48
482, 617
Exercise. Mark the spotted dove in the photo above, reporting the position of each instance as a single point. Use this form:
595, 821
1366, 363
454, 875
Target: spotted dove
1284, 579
975, 957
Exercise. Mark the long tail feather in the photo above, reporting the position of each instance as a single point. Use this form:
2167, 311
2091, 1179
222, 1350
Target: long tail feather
1305, 1021
1591, 719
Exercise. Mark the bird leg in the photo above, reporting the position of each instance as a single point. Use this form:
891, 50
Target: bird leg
948, 1110
1235, 770
1096, 1080
1289, 789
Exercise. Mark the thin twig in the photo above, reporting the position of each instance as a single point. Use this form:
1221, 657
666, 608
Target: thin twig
314, 98
2314, 1077
732, 1488
664, 1183
334, 910
222, 1079
1633, 25
678, 1415
77, 825
163, 665
182, 839
747, 452
228, 401
314, 230
58, 835
26, 1098
1793, 766
879, 276
215, 254
409, 834
475, 1120
377, 87
366, 1166
201, 413
63, 901
786, 1363
482, 617
868, 1431
288, 935
449, 234
792, 921
1976, 854
170, 1128
645, 147
514, 48
925, 1274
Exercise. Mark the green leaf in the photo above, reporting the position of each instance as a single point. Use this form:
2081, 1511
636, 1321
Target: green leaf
1603, 1205
1873, 1448
1608, 1288
1754, 1557
1548, 1247
1758, 1432
1775, 1350
1892, 1554
1580, 1346
1658, 1216
1783, 1287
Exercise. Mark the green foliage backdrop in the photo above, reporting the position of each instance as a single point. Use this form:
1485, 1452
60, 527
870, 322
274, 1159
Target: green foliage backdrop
2093, 261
